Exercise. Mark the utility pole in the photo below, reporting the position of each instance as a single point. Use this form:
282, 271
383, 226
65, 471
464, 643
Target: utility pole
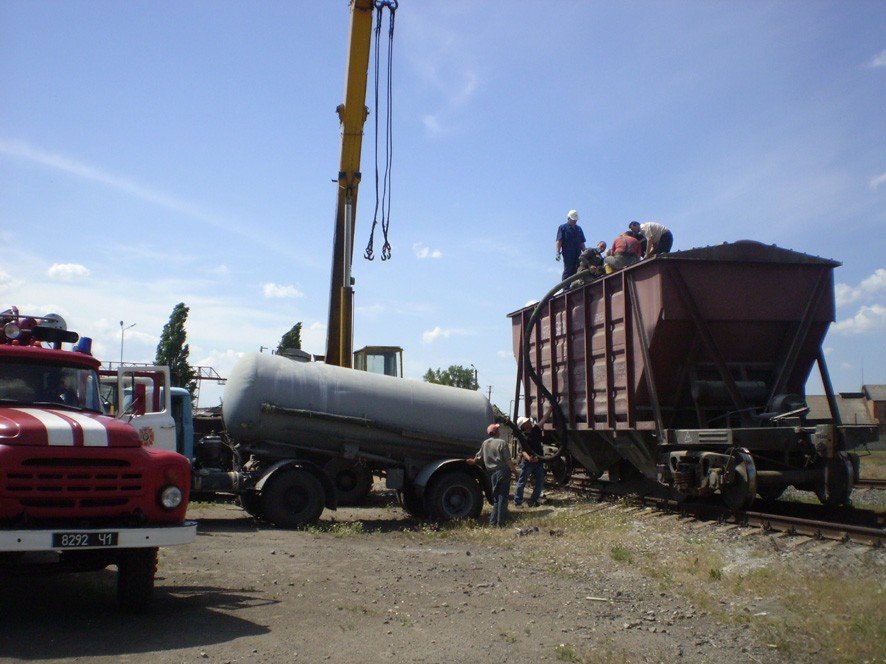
122, 332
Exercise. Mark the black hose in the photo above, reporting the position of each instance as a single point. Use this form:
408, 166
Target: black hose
559, 417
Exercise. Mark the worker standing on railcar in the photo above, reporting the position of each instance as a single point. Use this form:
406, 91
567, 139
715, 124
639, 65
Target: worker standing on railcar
570, 243
531, 464
496, 458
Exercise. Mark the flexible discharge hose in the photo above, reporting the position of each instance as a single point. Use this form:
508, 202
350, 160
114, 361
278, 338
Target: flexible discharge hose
559, 417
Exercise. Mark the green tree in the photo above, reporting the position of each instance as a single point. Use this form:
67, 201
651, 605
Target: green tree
291, 339
173, 352
456, 375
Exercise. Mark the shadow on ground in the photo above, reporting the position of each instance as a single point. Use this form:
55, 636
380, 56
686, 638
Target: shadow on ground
44, 618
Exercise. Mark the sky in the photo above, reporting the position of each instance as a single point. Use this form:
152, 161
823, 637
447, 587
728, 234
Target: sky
165, 152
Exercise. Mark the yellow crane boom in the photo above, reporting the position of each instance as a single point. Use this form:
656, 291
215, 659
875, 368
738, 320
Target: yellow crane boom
352, 115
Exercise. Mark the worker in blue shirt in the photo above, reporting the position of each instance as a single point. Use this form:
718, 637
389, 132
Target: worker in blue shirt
570, 243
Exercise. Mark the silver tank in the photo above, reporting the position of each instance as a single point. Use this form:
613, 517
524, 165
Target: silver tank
328, 409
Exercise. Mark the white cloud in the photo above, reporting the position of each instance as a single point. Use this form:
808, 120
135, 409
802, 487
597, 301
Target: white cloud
277, 290
432, 124
506, 354
879, 60
423, 251
868, 289
868, 319
67, 271
430, 336
7, 282
877, 180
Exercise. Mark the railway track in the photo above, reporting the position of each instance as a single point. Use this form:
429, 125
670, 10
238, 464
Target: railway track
870, 483
815, 521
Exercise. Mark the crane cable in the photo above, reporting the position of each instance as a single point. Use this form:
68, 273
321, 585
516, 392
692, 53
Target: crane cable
384, 200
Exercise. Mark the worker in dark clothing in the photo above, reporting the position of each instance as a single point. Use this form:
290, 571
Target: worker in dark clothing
591, 259
635, 230
531, 464
496, 458
570, 243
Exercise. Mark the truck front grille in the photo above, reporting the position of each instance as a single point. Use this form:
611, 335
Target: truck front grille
59, 485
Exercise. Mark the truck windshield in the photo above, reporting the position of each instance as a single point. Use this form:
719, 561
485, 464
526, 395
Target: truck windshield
24, 383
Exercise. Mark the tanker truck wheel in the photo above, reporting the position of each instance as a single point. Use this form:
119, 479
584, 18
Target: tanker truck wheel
292, 498
135, 578
352, 480
454, 495
410, 502
252, 503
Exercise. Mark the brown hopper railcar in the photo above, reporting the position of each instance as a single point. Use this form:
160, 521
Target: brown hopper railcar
691, 368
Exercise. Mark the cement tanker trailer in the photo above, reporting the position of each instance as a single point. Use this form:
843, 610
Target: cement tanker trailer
291, 423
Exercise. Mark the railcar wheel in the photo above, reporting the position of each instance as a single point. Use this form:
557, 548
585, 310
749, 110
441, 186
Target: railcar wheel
740, 493
836, 485
455, 495
770, 494
352, 480
292, 498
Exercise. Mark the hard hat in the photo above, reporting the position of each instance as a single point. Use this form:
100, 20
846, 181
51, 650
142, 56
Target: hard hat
522, 420
492, 429
573, 215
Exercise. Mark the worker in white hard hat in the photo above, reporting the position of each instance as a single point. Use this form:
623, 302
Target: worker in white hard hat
570, 243
531, 464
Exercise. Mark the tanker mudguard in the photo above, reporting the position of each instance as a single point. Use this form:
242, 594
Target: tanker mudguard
314, 469
425, 474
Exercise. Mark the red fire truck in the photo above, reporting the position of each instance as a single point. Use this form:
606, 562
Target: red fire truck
78, 490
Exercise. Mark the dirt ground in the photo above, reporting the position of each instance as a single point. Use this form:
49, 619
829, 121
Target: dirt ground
372, 584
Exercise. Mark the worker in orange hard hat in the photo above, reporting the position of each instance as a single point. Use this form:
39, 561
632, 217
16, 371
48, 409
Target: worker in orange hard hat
496, 458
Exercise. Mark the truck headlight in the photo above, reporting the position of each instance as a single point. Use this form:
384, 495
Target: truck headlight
171, 497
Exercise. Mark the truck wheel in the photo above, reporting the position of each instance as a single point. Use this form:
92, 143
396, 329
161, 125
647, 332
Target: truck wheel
135, 578
454, 495
410, 502
352, 480
252, 504
292, 498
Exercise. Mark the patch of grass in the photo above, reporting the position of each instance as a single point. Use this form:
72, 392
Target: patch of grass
715, 574
873, 465
509, 638
337, 528
566, 653
621, 554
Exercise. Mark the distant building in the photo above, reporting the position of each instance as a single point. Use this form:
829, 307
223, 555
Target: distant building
875, 400
865, 407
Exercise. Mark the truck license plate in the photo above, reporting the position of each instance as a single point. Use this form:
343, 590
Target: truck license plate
82, 540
